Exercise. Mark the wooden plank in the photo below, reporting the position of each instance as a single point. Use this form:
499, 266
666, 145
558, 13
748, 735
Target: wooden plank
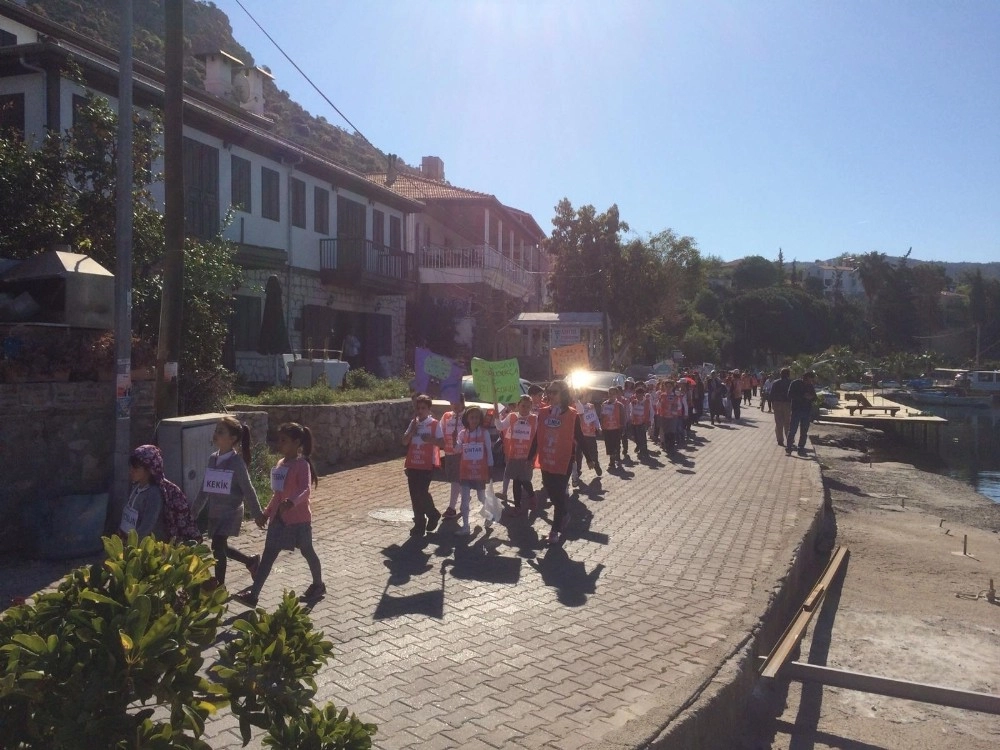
914, 691
783, 649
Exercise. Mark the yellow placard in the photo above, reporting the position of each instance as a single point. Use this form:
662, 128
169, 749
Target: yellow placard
565, 359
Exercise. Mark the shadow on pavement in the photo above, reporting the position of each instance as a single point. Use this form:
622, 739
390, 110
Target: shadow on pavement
570, 578
580, 518
404, 562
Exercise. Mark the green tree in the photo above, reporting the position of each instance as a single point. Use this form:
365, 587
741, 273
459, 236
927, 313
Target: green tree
875, 273
703, 340
841, 364
928, 280
754, 272
63, 192
585, 249
777, 321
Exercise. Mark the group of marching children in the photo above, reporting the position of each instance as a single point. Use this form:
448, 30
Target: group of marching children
538, 423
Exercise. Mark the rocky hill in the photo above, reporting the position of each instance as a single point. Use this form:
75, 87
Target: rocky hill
207, 28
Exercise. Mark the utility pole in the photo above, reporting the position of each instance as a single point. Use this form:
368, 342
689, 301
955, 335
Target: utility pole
168, 349
123, 267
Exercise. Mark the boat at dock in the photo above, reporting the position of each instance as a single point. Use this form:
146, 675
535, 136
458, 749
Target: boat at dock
948, 398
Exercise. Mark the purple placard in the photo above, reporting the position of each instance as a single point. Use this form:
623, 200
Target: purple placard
437, 376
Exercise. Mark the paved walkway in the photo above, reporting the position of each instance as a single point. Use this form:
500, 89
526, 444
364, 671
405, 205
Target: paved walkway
495, 641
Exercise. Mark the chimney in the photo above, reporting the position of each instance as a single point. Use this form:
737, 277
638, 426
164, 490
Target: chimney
228, 78
432, 167
219, 72
248, 88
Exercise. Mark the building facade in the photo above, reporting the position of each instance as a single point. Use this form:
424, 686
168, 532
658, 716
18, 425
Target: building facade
342, 246
480, 263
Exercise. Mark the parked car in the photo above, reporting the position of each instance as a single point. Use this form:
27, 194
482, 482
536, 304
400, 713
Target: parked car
595, 381
472, 398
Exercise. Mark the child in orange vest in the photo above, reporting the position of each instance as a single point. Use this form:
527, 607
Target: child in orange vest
476, 452
640, 418
586, 448
518, 429
451, 425
422, 437
612, 423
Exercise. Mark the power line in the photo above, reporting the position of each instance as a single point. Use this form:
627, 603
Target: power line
308, 79
948, 335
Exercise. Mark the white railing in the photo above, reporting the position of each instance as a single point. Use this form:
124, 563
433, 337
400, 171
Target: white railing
476, 256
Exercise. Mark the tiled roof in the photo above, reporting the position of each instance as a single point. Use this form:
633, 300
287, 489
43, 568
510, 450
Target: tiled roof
421, 188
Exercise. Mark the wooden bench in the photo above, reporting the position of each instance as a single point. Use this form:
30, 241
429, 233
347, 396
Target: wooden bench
863, 403
890, 410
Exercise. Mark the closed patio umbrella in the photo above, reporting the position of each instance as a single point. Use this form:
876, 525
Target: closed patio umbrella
273, 337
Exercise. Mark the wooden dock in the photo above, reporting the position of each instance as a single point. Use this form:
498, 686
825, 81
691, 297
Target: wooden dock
907, 421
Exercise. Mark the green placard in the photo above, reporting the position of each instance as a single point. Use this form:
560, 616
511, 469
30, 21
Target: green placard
437, 366
498, 381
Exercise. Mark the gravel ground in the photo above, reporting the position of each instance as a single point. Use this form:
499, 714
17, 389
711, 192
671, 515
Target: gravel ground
909, 606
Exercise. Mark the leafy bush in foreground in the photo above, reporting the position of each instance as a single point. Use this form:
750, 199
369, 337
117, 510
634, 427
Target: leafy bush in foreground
126, 636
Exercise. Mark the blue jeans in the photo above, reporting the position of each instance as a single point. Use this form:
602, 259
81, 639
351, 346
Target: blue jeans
800, 419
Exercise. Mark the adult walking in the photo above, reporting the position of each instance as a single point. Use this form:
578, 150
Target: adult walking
801, 395
781, 405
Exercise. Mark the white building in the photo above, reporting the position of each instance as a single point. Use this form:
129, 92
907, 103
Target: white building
342, 246
834, 278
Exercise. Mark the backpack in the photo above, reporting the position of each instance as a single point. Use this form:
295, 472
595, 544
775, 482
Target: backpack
177, 518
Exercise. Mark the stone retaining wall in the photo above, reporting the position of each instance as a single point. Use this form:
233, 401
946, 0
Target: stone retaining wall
58, 439
343, 432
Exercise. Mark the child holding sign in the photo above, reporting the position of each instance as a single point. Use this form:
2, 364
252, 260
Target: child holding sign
476, 453
225, 487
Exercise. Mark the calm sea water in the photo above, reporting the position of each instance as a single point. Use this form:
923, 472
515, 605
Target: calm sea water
970, 447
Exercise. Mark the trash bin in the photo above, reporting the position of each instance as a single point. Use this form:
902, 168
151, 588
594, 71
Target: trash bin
68, 526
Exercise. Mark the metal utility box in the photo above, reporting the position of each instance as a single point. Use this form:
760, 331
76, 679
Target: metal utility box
67, 288
186, 444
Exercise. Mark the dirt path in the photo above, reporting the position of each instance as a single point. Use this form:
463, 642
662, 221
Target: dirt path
906, 609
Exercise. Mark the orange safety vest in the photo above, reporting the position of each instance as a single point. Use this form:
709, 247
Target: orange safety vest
640, 411
661, 403
555, 439
518, 436
674, 406
474, 466
589, 421
451, 424
422, 453
611, 415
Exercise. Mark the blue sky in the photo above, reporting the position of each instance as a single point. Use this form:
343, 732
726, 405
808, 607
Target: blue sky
816, 127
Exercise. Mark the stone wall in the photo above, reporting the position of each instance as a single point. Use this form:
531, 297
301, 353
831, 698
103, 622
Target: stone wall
58, 439
342, 432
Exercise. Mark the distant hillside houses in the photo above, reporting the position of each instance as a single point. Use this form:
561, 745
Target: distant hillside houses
834, 278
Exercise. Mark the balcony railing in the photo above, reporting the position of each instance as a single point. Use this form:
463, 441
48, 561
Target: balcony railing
476, 257
363, 263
